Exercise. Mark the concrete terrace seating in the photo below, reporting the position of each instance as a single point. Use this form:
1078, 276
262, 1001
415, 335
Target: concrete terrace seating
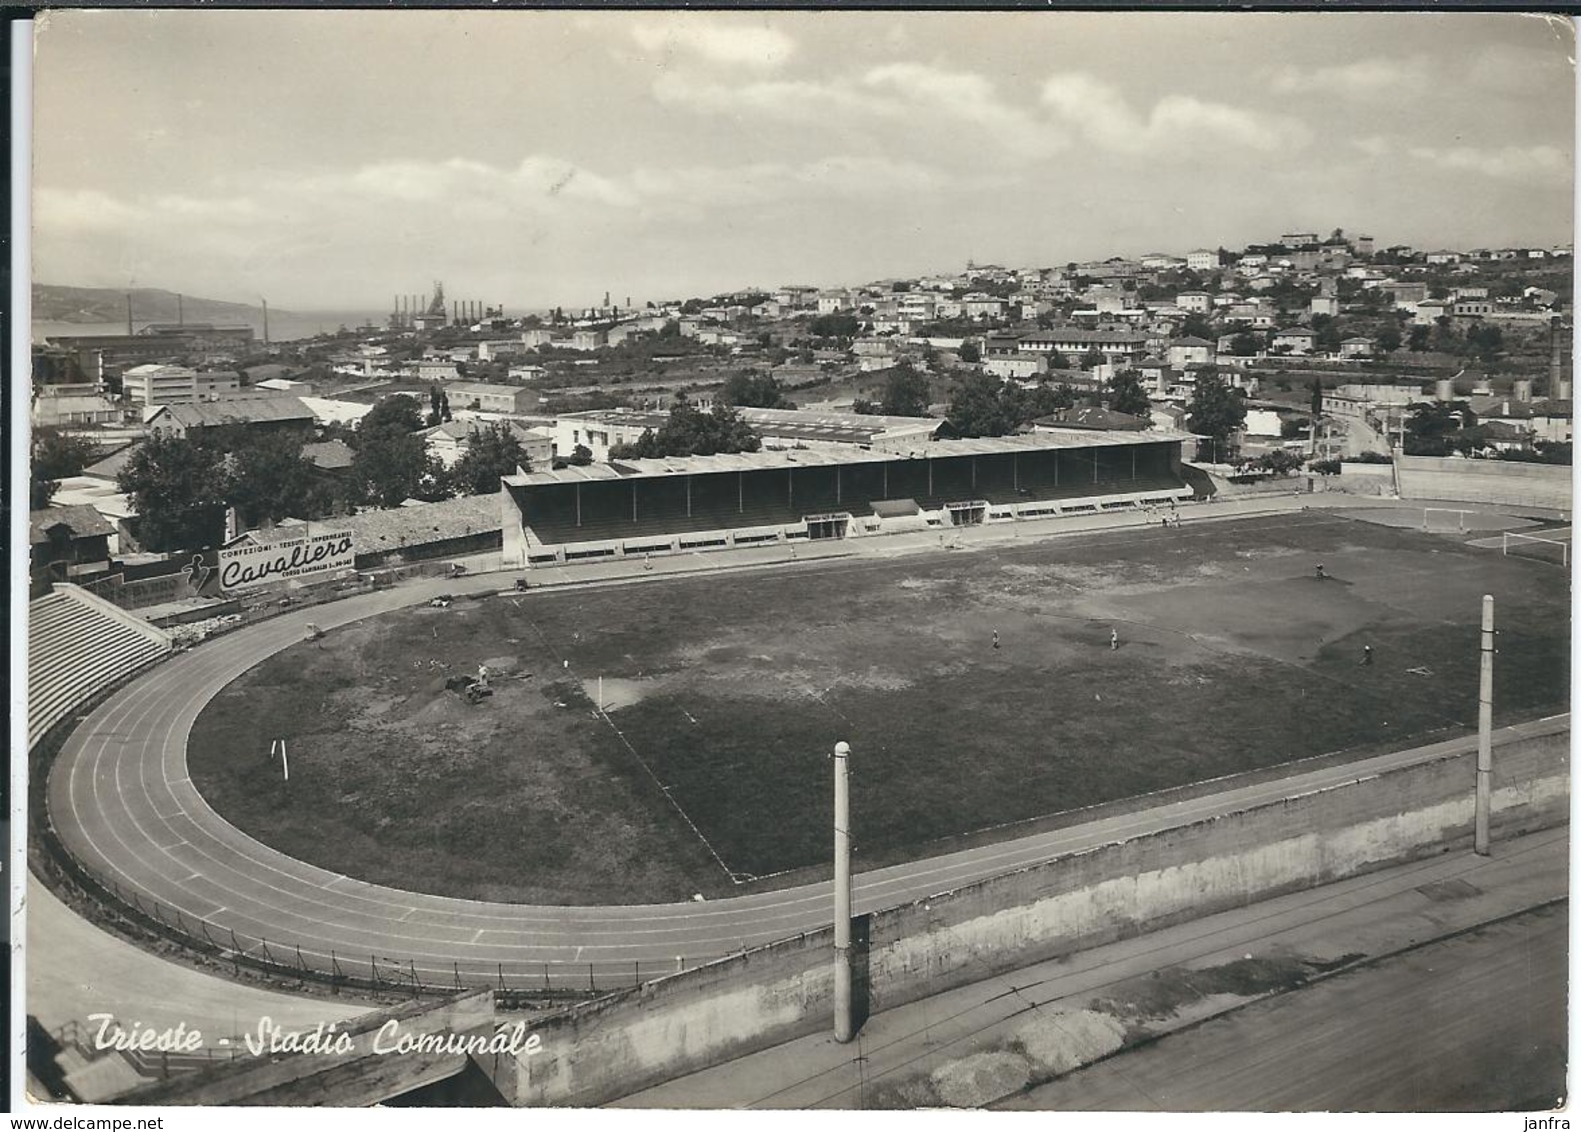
77, 644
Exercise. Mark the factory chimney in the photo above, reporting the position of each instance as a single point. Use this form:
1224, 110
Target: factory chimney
128, 314
265, 303
1557, 386
181, 318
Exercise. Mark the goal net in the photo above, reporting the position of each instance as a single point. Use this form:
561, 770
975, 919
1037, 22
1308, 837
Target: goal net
1536, 546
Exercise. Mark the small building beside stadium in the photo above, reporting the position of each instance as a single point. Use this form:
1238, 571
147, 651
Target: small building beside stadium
679, 504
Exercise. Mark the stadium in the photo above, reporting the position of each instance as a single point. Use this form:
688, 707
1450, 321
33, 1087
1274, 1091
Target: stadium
1033, 663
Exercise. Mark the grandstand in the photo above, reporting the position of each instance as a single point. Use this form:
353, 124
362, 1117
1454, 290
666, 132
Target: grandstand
698, 502
78, 644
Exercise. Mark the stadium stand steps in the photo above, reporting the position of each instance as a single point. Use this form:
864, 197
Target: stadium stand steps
77, 644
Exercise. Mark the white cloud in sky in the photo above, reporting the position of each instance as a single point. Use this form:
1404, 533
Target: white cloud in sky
1535, 163
971, 100
363, 204
789, 100
1374, 76
1176, 122
919, 96
733, 44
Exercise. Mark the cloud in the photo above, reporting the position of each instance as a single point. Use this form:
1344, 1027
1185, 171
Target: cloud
1525, 72
1536, 163
1176, 122
791, 100
487, 205
844, 177
920, 97
1361, 77
732, 44
970, 99
83, 210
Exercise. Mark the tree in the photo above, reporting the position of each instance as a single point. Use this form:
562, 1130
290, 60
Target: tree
835, 326
391, 463
491, 453
178, 490
1388, 339
1215, 412
1485, 340
906, 393
1245, 344
1126, 394
438, 405
978, 408
754, 390
55, 456
970, 352
1196, 326
265, 477
400, 412
1317, 397
1432, 426
691, 432
1278, 461
581, 456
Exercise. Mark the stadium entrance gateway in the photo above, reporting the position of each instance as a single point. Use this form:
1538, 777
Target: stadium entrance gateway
827, 526
968, 514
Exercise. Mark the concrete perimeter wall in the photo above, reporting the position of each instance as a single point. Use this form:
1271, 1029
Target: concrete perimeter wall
608, 1048
1484, 481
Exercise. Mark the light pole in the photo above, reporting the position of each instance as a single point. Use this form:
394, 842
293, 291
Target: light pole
844, 1023
1485, 731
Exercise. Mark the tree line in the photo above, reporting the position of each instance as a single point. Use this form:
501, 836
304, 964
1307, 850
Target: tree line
181, 486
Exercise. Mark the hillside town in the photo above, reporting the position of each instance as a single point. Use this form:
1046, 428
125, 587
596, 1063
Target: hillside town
1294, 357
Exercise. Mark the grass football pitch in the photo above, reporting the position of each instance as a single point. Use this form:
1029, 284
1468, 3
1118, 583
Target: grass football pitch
707, 769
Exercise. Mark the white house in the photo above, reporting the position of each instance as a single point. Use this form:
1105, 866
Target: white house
1189, 351
1295, 340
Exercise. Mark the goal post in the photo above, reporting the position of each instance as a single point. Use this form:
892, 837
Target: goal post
1444, 519
1536, 546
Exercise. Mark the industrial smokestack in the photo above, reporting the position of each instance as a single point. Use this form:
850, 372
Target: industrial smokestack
181, 318
129, 314
1556, 361
265, 303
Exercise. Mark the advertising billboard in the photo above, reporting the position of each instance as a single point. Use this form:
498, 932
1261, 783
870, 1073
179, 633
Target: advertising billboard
250, 564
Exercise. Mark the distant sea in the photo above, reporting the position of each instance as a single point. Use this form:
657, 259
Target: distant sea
284, 326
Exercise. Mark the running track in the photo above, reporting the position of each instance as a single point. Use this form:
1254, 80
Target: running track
122, 804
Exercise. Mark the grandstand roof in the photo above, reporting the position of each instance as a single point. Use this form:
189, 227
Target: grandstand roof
815, 457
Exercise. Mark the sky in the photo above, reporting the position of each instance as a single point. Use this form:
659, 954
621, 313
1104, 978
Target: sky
335, 159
